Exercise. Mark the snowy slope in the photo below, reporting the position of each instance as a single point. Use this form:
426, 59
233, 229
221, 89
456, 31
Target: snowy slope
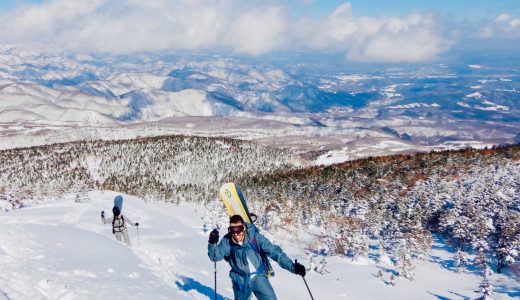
123, 83
154, 104
60, 250
22, 102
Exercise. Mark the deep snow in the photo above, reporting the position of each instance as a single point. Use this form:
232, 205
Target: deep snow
61, 250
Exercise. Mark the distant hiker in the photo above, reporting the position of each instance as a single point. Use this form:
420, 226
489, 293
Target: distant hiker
118, 224
243, 247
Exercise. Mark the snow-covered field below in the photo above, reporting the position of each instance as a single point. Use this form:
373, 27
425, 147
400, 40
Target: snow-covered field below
319, 145
60, 249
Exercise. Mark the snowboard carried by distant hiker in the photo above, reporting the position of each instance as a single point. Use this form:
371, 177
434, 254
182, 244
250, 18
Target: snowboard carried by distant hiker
246, 250
119, 221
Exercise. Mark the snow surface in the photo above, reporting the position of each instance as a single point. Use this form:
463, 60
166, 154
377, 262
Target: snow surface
491, 106
60, 250
475, 95
414, 105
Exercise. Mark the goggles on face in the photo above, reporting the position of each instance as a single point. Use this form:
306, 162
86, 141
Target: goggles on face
236, 229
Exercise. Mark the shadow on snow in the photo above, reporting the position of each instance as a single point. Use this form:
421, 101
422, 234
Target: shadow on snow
458, 296
189, 284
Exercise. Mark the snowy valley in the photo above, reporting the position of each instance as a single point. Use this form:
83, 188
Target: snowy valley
330, 113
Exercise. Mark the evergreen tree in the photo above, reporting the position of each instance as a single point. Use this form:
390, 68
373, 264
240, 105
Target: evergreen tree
485, 289
460, 260
393, 280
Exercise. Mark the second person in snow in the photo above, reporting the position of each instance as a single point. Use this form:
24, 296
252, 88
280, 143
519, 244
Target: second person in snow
119, 222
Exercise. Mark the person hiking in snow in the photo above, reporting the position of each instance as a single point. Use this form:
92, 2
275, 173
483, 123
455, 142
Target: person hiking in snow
242, 247
118, 224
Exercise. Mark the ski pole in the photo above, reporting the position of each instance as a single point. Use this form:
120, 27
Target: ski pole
138, 238
307, 287
296, 261
215, 262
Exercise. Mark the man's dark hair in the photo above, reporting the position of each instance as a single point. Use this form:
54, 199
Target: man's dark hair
116, 211
236, 219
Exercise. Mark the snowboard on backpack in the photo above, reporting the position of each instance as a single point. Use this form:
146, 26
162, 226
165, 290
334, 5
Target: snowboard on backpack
235, 203
118, 201
233, 199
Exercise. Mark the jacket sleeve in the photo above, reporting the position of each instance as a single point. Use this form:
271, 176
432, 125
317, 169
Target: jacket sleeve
128, 221
219, 252
107, 221
275, 253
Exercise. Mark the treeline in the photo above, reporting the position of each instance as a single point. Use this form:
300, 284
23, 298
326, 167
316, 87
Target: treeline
170, 168
470, 196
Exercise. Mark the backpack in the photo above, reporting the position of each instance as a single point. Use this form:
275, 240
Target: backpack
120, 226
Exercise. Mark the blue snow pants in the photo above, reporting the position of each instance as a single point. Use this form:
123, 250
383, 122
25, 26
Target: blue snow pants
259, 285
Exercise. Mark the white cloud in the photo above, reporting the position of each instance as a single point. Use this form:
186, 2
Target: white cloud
503, 18
515, 23
33, 22
411, 39
240, 26
503, 26
258, 31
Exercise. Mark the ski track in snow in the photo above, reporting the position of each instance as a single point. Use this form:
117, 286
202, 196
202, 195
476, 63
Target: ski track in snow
61, 250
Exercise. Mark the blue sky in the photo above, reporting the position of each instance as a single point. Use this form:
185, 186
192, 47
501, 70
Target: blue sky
460, 9
470, 9
361, 30
10, 4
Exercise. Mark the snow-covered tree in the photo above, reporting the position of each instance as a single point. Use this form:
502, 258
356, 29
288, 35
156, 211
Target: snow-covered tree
460, 260
485, 289
393, 280
506, 238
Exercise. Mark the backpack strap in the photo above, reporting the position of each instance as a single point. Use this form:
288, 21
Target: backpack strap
247, 276
265, 260
244, 285
119, 226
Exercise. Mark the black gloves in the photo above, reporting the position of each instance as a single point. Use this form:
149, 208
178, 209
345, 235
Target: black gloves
299, 269
136, 223
102, 214
213, 237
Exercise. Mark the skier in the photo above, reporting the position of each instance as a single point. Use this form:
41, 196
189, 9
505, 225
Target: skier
118, 224
242, 247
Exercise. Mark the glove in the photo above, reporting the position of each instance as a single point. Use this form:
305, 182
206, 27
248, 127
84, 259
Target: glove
102, 214
136, 223
299, 269
213, 237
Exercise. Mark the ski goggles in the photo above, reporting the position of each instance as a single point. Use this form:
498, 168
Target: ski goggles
236, 229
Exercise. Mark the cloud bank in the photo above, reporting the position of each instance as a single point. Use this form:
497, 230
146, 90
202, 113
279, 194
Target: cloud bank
504, 25
413, 38
243, 27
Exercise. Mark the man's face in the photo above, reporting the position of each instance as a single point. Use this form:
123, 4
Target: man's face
237, 231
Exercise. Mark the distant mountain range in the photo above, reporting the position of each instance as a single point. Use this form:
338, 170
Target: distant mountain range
416, 106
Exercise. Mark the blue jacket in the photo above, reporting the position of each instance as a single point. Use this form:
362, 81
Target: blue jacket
239, 255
